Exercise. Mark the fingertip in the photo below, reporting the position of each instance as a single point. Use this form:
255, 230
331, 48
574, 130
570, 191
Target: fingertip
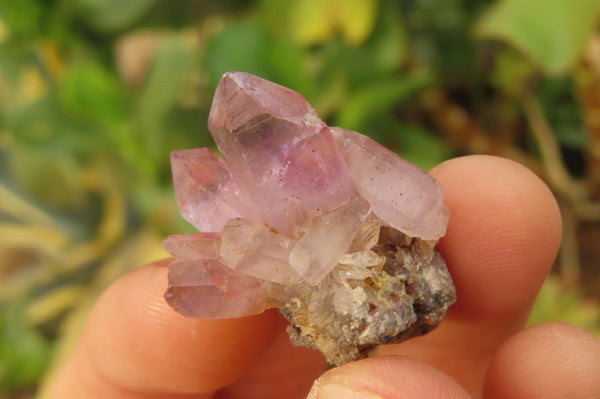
136, 341
550, 361
502, 238
390, 377
503, 234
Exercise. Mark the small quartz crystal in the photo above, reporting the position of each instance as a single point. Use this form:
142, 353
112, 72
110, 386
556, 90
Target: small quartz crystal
323, 223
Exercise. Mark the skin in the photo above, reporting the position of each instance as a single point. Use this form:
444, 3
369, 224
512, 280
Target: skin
502, 239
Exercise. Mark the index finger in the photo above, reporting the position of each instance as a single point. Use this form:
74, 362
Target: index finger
135, 346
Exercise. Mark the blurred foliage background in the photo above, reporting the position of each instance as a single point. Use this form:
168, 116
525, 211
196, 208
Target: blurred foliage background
94, 94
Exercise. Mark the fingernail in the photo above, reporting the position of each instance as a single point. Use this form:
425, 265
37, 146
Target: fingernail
335, 391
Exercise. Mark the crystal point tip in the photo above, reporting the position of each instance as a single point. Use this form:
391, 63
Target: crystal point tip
241, 97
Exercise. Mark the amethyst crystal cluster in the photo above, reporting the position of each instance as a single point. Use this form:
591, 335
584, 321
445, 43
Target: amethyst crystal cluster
323, 223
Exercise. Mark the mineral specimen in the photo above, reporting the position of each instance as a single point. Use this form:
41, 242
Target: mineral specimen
323, 223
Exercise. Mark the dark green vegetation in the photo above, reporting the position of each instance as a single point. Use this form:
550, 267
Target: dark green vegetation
95, 93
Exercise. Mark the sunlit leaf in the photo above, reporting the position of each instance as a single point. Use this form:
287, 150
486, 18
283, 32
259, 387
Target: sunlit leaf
310, 21
314, 21
356, 19
551, 32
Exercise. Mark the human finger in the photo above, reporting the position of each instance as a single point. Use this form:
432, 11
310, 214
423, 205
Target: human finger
502, 238
135, 346
282, 371
389, 377
548, 361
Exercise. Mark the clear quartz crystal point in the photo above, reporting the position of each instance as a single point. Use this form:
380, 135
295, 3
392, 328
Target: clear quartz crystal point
323, 223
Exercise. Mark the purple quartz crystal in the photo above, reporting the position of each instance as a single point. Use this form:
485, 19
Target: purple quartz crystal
323, 223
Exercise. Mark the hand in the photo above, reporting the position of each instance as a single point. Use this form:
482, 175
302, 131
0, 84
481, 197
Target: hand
502, 239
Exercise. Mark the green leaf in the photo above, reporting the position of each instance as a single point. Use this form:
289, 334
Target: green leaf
22, 17
377, 99
355, 18
511, 72
93, 95
551, 32
557, 304
572, 136
174, 63
111, 15
247, 47
420, 146
89, 90
287, 64
558, 97
381, 55
274, 15
24, 353
238, 47
311, 22
44, 125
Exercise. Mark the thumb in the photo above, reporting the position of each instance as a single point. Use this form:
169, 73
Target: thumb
386, 377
